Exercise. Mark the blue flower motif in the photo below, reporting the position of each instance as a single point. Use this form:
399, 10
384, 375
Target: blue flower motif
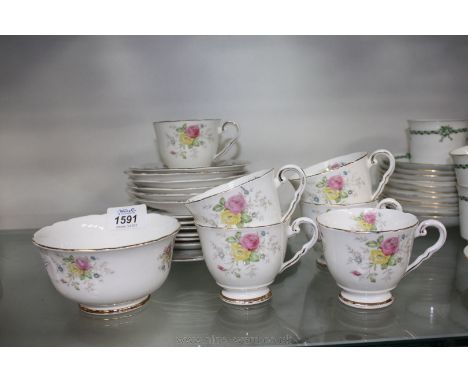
316, 199
96, 276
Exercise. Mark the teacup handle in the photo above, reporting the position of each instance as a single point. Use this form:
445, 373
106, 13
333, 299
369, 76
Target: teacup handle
389, 202
281, 178
228, 145
373, 160
421, 231
293, 230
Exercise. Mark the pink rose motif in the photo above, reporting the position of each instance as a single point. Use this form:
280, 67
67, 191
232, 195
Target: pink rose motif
356, 273
390, 246
250, 241
192, 131
335, 166
369, 217
336, 182
236, 204
83, 263
221, 268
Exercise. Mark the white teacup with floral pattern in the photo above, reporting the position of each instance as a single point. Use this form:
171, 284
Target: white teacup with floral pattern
345, 179
192, 143
245, 261
312, 210
368, 251
249, 201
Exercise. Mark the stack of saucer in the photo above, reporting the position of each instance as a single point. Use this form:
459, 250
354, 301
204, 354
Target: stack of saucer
166, 189
428, 191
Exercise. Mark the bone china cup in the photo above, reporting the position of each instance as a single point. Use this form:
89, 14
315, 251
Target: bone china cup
245, 261
431, 141
249, 201
345, 179
463, 208
460, 160
191, 144
368, 250
107, 271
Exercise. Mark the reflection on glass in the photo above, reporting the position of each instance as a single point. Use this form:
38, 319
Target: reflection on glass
248, 326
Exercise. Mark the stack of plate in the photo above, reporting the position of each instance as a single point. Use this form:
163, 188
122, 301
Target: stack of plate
165, 190
428, 191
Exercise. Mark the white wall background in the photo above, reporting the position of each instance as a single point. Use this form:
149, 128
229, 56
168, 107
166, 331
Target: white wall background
75, 112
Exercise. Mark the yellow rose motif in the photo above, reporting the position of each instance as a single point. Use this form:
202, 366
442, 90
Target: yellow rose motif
228, 218
331, 194
366, 226
377, 257
239, 252
185, 139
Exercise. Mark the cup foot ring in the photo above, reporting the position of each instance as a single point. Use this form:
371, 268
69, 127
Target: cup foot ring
366, 305
127, 307
246, 302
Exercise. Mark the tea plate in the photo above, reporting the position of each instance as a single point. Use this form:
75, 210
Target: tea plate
161, 197
167, 191
181, 176
189, 255
184, 184
424, 178
187, 235
421, 196
173, 208
158, 168
184, 246
423, 186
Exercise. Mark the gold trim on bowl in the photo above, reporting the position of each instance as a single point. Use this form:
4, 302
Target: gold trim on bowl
250, 301
106, 249
104, 312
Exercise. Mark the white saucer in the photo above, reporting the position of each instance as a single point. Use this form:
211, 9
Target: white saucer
144, 177
158, 168
184, 184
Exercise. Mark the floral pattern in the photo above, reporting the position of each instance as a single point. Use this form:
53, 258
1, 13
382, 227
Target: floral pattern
81, 272
367, 221
333, 188
233, 211
186, 138
243, 251
379, 257
166, 258
239, 209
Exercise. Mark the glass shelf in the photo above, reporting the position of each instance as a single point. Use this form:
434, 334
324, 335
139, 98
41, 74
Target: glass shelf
431, 307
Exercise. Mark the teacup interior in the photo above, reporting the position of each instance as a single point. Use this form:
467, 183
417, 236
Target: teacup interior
93, 232
367, 220
460, 151
228, 186
334, 163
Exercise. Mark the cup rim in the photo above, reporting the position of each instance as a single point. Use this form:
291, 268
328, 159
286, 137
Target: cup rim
341, 205
226, 187
455, 154
286, 222
360, 154
106, 249
188, 120
367, 232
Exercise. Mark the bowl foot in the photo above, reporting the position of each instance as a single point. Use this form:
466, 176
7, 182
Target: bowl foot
114, 309
363, 301
245, 297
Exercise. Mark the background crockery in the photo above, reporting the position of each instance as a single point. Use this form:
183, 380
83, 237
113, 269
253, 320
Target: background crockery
460, 160
245, 261
368, 251
248, 201
431, 141
345, 179
192, 143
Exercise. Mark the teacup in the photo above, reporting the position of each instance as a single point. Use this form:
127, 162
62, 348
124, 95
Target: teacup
312, 211
245, 261
345, 179
249, 201
431, 141
460, 160
368, 251
463, 211
191, 144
